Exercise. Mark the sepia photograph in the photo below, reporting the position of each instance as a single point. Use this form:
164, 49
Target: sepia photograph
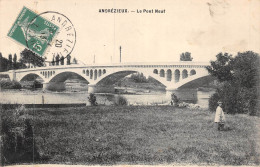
129, 83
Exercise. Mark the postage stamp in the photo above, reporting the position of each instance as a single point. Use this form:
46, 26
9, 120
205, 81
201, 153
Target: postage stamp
65, 39
33, 31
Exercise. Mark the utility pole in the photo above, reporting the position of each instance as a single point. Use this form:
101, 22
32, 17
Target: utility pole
120, 53
94, 59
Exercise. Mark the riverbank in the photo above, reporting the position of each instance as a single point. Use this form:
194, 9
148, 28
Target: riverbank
38, 96
142, 135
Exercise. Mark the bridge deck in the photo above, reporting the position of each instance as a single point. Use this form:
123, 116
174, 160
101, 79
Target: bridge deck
120, 65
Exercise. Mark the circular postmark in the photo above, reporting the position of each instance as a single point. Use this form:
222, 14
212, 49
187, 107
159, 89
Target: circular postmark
59, 42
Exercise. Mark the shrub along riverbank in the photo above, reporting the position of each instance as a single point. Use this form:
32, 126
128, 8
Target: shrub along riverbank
7, 84
141, 135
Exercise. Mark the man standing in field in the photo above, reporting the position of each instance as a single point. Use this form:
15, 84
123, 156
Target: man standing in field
220, 117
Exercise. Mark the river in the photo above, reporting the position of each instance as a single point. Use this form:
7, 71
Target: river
25, 96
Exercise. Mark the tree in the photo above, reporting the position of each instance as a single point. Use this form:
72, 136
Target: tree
239, 77
139, 78
3, 63
15, 61
68, 59
53, 61
222, 68
10, 62
246, 69
186, 56
57, 59
10, 57
75, 61
62, 60
29, 57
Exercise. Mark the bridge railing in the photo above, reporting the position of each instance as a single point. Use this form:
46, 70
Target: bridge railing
181, 64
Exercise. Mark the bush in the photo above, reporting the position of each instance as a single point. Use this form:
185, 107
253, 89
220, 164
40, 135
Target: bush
174, 100
17, 137
92, 99
247, 101
235, 99
120, 101
9, 106
139, 78
213, 102
7, 84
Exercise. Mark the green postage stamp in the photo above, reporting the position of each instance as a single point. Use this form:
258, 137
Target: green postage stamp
33, 31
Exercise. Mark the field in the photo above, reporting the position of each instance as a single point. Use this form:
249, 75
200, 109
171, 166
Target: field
143, 135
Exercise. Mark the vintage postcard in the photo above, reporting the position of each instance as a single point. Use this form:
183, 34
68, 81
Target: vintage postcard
129, 83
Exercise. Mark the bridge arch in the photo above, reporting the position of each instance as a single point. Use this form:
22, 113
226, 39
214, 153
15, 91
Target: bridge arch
162, 73
63, 76
177, 75
184, 74
192, 72
193, 81
95, 74
45, 74
99, 72
169, 75
30, 77
155, 71
91, 74
113, 77
196, 82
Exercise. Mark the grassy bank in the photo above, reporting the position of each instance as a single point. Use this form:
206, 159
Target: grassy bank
142, 135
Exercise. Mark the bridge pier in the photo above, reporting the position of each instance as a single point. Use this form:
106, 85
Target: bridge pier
12, 75
91, 88
45, 85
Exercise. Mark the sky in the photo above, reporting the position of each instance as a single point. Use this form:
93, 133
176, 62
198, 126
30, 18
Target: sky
202, 27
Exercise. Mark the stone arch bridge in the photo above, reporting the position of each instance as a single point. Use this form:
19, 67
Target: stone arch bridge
173, 75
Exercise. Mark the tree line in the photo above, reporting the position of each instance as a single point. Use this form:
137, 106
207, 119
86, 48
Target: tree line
57, 60
28, 59
10, 63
